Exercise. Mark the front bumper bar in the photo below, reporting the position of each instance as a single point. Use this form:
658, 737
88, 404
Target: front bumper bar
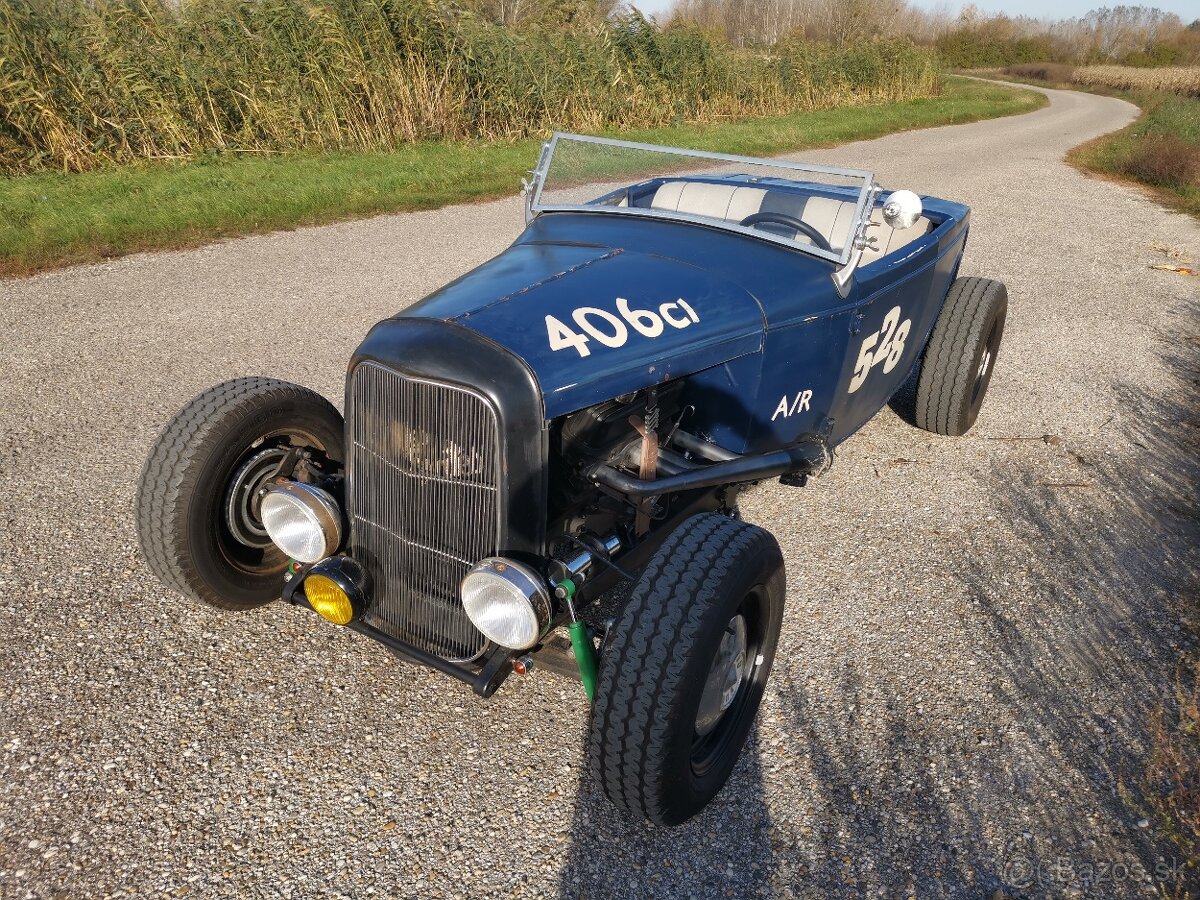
484, 680
497, 664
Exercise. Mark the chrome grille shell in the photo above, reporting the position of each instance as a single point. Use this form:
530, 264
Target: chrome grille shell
424, 501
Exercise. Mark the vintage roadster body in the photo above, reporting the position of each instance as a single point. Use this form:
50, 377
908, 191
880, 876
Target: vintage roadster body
581, 412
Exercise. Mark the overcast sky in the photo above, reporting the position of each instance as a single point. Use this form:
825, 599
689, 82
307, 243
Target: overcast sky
1187, 10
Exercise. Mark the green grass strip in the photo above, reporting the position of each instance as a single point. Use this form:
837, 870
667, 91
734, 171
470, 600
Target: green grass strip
1161, 150
50, 220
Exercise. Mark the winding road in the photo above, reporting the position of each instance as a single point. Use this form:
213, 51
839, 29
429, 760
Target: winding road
978, 631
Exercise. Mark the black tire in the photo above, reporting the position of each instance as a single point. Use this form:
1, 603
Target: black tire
187, 523
644, 749
961, 356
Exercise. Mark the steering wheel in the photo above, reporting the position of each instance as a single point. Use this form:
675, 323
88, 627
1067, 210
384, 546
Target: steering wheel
787, 221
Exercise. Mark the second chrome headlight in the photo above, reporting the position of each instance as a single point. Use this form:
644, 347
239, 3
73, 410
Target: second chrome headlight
507, 601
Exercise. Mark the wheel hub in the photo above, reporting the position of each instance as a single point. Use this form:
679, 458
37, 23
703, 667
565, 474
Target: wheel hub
725, 677
987, 361
243, 499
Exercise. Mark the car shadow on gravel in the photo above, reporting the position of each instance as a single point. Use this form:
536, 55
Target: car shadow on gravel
1077, 604
724, 852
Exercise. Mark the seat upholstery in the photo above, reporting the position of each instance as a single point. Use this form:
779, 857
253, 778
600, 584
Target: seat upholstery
832, 218
714, 201
883, 239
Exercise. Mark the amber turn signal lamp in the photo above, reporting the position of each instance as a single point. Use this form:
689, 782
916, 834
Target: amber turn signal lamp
337, 589
328, 599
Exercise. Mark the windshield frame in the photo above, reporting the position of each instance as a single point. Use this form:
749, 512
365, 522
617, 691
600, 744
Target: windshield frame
862, 211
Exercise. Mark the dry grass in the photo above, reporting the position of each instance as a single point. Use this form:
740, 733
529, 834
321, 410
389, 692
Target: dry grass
1182, 80
1055, 73
1164, 160
89, 82
1173, 777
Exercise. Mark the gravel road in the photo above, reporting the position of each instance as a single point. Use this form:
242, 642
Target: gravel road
978, 629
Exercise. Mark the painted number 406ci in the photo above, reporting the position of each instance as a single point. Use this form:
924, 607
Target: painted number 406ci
610, 330
883, 346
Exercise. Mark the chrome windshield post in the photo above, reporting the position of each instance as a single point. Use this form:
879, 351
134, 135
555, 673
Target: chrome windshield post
844, 274
531, 188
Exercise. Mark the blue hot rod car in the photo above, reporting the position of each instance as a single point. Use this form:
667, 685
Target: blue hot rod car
581, 412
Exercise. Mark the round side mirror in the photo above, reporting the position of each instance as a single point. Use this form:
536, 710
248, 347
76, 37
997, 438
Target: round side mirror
902, 209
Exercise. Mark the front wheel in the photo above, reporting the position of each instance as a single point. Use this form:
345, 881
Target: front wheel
685, 667
197, 503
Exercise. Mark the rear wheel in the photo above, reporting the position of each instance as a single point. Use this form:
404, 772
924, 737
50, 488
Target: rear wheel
197, 502
685, 667
961, 356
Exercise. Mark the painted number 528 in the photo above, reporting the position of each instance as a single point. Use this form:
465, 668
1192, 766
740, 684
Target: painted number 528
883, 346
606, 328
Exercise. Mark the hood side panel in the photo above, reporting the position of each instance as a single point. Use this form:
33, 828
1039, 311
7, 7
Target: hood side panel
590, 350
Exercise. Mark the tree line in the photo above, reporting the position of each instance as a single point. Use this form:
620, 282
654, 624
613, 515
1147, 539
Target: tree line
968, 38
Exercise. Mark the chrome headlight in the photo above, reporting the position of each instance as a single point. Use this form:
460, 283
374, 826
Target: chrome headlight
303, 521
507, 601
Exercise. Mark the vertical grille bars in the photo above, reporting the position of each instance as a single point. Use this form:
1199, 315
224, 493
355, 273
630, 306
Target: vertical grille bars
423, 498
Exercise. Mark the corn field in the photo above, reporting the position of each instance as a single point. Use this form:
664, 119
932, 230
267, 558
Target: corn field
1182, 80
85, 83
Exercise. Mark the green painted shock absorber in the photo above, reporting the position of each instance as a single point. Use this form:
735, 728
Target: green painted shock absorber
581, 642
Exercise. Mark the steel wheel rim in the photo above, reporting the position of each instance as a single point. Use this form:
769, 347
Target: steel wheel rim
725, 676
986, 362
254, 558
709, 747
242, 499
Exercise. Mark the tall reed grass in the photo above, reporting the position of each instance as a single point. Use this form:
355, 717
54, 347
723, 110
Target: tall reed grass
90, 82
